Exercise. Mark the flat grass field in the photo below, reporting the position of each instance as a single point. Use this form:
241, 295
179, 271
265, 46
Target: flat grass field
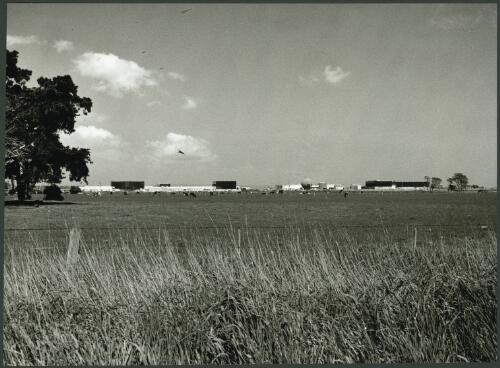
248, 278
361, 215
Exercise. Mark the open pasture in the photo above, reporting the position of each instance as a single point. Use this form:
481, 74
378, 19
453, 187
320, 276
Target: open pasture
253, 279
362, 215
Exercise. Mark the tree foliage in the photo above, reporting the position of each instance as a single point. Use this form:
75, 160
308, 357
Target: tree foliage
435, 182
53, 193
35, 116
458, 181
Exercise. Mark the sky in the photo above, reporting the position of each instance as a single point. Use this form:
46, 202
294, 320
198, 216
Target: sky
274, 93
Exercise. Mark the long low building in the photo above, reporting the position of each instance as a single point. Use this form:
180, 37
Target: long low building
128, 185
183, 188
314, 187
98, 188
292, 187
396, 185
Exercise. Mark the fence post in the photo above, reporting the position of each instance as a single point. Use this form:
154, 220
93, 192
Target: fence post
415, 240
73, 246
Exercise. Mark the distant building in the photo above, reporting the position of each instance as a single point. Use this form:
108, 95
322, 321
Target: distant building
334, 187
221, 184
322, 186
355, 187
180, 188
396, 185
292, 187
97, 188
412, 185
128, 185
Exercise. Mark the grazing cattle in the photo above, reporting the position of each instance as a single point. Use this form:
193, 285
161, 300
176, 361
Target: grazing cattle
192, 195
346, 194
185, 194
125, 193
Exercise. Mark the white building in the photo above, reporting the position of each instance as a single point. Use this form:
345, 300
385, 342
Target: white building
98, 188
291, 187
334, 187
188, 188
183, 188
392, 187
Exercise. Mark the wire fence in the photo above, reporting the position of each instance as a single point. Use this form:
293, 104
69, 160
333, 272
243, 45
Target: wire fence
215, 227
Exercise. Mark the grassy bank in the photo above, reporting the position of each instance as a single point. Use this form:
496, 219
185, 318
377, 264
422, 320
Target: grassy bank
244, 297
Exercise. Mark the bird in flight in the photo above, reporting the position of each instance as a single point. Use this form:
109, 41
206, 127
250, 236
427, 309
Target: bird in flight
181, 152
186, 10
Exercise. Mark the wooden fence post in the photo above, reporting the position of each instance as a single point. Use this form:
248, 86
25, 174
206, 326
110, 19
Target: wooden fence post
73, 247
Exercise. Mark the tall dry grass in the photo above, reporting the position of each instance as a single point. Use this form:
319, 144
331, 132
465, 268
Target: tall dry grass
243, 297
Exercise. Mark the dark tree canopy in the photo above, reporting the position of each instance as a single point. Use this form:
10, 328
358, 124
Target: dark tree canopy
35, 117
458, 181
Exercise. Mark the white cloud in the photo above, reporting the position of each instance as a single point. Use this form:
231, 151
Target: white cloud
176, 76
334, 76
196, 149
63, 45
113, 74
153, 103
102, 143
22, 40
89, 135
189, 103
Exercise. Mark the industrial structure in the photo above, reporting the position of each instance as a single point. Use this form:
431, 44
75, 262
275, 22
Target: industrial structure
128, 185
180, 188
224, 184
98, 188
231, 186
396, 185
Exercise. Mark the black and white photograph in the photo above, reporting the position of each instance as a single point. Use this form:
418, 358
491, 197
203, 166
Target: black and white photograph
250, 183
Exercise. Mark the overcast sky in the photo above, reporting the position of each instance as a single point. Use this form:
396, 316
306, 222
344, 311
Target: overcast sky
270, 94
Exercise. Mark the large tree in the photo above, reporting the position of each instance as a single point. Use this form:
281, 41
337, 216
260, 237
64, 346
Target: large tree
35, 116
459, 181
435, 182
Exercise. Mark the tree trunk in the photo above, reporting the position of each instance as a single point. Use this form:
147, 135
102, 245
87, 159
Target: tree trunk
23, 185
21, 189
29, 189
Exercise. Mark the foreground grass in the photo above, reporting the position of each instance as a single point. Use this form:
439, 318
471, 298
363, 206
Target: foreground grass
294, 297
